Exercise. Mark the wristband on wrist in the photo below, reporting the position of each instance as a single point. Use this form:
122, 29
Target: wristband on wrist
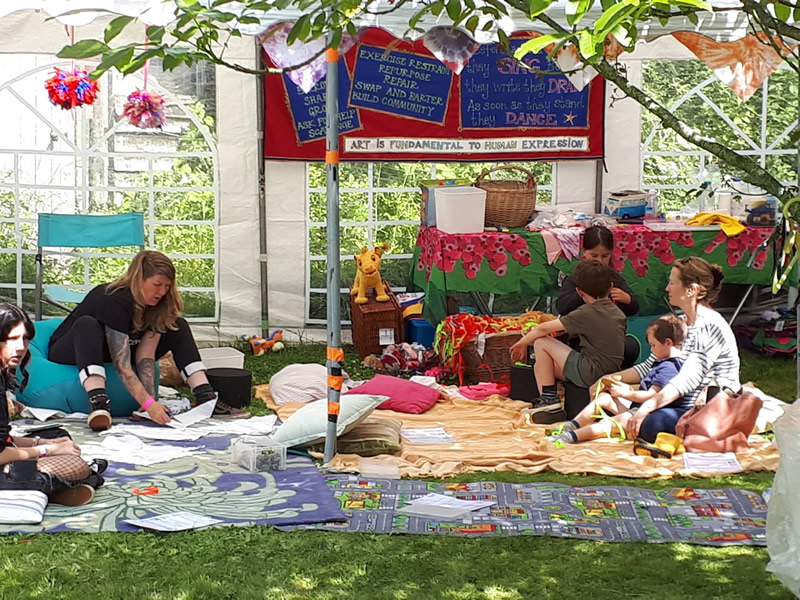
147, 403
36, 440
43, 451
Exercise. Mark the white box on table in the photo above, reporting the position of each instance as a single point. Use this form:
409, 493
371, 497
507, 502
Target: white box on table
460, 209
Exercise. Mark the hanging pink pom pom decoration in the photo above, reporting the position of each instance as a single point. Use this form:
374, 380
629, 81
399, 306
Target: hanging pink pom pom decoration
145, 109
70, 89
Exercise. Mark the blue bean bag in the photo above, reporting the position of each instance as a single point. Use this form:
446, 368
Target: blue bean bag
55, 386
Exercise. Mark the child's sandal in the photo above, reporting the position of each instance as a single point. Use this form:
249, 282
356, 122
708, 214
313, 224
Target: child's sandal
643, 448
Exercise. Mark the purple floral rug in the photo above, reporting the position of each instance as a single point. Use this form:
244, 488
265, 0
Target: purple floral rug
206, 483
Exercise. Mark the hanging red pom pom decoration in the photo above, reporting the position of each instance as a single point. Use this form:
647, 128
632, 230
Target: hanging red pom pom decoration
70, 89
145, 109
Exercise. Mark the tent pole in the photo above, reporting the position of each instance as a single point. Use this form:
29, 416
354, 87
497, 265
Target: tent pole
335, 354
797, 271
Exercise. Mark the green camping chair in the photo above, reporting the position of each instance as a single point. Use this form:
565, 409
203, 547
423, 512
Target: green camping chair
81, 231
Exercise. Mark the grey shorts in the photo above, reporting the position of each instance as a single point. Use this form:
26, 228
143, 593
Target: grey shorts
573, 369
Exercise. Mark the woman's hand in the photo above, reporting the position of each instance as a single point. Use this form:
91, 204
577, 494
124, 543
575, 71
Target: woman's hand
60, 440
158, 413
619, 295
519, 351
635, 422
68, 448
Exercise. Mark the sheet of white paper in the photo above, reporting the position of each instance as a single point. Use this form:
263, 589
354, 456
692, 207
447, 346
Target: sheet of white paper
711, 462
167, 392
132, 450
42, 414
429, 435
442, 513
262, 425
198, 413
148, 432
177, 521
452, 502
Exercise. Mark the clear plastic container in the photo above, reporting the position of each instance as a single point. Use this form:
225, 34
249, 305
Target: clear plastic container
460, 209
258, 453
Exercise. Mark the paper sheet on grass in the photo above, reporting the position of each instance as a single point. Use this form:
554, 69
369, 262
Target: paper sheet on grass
262, 425
177, 521
451, 502
43, 414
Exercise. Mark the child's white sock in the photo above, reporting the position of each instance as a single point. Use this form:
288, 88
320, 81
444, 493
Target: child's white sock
568, 437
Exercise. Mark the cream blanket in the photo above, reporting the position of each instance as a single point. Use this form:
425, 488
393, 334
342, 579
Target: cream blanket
495, 435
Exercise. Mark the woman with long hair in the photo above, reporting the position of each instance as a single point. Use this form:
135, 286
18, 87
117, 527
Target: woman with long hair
132, 322
709, 353
53, 466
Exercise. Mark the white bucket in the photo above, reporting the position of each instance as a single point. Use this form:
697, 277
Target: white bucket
460, 209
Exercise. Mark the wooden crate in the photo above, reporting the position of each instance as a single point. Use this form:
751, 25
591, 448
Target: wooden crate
368, 320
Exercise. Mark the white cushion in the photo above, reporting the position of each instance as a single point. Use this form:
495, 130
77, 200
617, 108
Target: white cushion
302, 383
22, 506
308, 425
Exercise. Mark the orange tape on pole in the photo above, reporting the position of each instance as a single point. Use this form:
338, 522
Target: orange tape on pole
333, 408
335, 382
332, 157
332, 55
335, 354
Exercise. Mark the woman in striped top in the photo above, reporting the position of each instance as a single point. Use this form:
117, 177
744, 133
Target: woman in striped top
709, 353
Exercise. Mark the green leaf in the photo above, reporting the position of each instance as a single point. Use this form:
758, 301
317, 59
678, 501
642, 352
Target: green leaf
692, 18
170, 62
336, 40
701, 4
297, 29
118, 58
607, 20
586, 44
155, 34
115, 27
503, 39
470, 4
782, 11
796, 14
437, 8
537, 7
247, 20
663, 21
472, 23
454, 9
577, 9
138, 62
84, 49
538, 44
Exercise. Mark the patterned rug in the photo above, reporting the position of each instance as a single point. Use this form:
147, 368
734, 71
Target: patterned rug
206, 483
611, 514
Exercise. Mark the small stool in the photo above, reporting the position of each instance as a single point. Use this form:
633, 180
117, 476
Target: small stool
523, 384
233, 386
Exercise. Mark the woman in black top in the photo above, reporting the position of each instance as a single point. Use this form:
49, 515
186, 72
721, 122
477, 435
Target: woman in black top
53, 466
133, 322
598, 244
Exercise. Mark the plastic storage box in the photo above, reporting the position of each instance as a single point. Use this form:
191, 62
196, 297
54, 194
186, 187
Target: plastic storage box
460, 209
258, 453
420, 331
222, 357
429, 188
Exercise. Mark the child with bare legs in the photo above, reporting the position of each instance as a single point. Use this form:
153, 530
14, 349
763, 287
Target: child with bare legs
665, 336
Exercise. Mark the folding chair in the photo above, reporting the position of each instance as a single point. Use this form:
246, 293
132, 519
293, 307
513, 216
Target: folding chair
81, 231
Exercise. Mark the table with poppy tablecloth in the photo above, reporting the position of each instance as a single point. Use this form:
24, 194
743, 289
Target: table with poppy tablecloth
516, 262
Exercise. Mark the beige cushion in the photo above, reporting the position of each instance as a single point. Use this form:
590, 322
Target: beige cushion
371, 437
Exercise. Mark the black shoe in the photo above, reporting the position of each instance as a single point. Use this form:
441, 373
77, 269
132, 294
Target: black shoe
100, 415
544, 404
556, 414
224, 411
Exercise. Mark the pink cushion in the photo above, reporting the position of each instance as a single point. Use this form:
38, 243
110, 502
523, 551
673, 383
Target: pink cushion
404, 396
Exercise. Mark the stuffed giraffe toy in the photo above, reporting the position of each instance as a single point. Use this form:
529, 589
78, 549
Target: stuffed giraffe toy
368, 274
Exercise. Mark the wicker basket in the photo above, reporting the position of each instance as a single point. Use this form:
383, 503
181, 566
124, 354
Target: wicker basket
368, 320
495, 364
509, 202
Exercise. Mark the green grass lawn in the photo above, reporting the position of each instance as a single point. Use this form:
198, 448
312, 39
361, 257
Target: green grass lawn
259, 562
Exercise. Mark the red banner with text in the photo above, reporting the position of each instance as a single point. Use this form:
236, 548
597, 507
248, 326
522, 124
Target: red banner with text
397, 102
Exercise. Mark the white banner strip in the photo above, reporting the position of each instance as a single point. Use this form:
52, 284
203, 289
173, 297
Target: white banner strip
476, 146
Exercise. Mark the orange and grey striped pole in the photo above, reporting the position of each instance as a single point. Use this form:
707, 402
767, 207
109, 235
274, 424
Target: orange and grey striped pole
335, 355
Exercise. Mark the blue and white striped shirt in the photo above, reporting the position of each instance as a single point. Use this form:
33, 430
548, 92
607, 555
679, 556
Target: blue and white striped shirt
709, 354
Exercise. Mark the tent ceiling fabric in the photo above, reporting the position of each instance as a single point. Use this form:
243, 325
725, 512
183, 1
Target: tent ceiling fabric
721, 26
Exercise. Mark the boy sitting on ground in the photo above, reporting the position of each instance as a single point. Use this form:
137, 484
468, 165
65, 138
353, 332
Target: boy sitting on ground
599, 325
665, 336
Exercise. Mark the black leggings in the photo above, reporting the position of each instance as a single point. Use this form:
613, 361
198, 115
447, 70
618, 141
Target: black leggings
85, 345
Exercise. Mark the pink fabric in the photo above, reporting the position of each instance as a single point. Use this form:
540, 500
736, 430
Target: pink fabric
569, 238
484, 390
551, 246
404, 396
